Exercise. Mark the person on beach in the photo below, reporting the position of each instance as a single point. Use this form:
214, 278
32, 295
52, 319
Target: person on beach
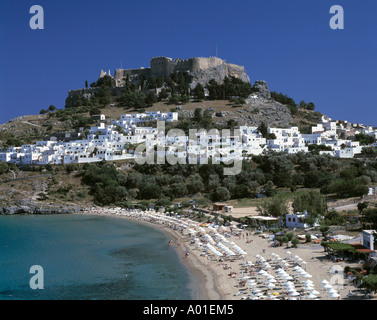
186, 255
170, 243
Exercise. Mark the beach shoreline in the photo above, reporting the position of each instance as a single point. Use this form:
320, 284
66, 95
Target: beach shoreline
221, 279
203, 281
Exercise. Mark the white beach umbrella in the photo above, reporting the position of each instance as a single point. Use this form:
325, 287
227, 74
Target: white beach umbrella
311, 296
297, 268
266, 265
331, 291
307, 275
270, 285
334, 295
326, 286
282, 275
324, 281
308, 288
294, 294
315, 292
239, 250
289, 285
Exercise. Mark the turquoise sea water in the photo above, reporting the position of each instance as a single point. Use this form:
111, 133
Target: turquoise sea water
88, 257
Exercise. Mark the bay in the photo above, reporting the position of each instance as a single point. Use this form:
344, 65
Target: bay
88, 257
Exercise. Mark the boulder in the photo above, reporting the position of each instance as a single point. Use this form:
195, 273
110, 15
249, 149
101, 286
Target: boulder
261, 88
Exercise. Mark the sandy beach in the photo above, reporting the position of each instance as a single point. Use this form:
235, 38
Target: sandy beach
220, 278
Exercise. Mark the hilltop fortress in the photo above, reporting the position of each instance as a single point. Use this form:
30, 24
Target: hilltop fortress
200, 70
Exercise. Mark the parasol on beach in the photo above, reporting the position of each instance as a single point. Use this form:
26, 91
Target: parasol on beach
334, 295
307, 275
326, 286
331, 291
315, 292
213, 250
262, 272
270, 285
238, 249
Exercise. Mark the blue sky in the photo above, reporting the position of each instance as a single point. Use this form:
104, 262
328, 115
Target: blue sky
289, 44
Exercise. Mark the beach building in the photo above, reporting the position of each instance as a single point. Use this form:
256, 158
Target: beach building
298, 220
369, 238
223, 207
264, 221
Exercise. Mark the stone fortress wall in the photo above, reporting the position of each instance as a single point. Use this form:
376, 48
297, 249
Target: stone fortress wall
199, 69
165, 66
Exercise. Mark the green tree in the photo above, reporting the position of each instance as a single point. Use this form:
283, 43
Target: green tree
4, 168
370, 282
231, 124
174, 99
152, 84
150, 191
263, 129
221, 194
198, 92
51, 108
184, 98
295, 243
86, 84
104, 96
324, 229
196, 184
133, 99
105, 81
364, 139
273, 207
269, 189
160, 81
178, 190
151, 98
312, 201
362, 205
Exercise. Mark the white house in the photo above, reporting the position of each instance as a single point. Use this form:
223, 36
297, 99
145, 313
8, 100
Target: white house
368, 238
297, 220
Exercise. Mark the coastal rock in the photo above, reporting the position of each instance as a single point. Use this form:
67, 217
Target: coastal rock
261, 88
34, 208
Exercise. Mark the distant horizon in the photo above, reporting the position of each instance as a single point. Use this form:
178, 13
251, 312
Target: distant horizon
290, 45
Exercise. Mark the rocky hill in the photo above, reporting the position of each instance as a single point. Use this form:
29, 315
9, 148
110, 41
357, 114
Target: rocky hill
258, 108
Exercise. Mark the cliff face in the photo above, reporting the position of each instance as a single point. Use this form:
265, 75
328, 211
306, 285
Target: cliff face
218, 73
